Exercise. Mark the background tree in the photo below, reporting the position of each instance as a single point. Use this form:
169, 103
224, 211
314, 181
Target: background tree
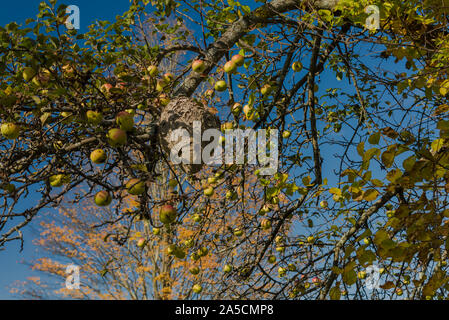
363, 160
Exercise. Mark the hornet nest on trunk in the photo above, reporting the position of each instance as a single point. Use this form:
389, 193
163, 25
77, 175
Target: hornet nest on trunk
181, 112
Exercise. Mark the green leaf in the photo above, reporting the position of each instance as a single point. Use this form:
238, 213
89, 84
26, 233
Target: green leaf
335, 293
374, 138
388, 158
370, 195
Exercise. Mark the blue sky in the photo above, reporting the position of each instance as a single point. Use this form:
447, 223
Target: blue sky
90, 10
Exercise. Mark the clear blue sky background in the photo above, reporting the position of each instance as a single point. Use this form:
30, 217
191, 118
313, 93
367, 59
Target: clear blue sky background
90, 10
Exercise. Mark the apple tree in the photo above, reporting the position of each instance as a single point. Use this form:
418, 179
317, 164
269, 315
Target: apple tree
356, 88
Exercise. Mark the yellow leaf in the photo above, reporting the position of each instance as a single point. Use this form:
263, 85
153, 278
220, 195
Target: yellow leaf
370, 195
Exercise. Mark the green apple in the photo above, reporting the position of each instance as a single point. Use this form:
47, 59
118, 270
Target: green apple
28, 74
171, 249
189, 243
399, 291
266, 89
195, 256
209, 191
197, 288
196, 217
280, 249
275, 200
160, 85
194, 270
117, 137
238, 59
203, 251
231, 195
94, 117
264, 210
221, 85
135, 187
103, 198
164, 99
286, 134
366, 241
168, 214
125, 120
282, 271
168, 77
324, 204
230, 67
10, 130
227, 268
56, 180
297, 66
153, 71
271, 259
156, 231
141, 242
238, 232
98, 156
198, 66
265, 224
236, 109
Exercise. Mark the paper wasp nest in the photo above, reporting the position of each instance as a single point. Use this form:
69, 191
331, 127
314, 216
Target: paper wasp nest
181, 112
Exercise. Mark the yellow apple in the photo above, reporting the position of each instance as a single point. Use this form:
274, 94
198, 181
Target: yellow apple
297, 66
103, 198
209, 191
221, 85
98, 156
197, 288
198, 66
117, 137
230, 67
167, 214
153, 71
238, 59
94, 117
10, 130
